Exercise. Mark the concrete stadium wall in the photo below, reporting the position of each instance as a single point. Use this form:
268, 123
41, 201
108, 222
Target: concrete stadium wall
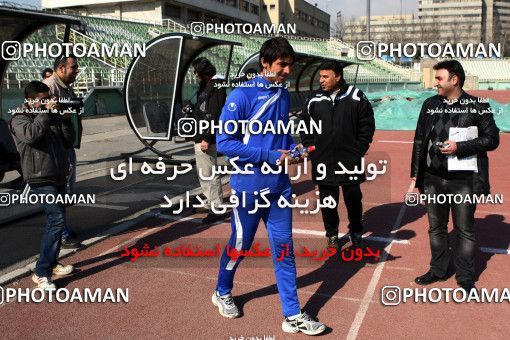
494, 85
127, 11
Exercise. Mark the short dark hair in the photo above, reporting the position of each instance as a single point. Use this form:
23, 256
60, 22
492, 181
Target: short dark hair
251, 71
333, 65
35, 87
204, 67
62, 60
275, 48
46, 70
454, 68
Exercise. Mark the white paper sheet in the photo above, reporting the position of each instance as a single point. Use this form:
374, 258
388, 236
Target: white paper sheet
457, 134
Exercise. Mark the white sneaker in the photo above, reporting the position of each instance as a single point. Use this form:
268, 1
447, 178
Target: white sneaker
61, 269
43, 282
303, 323
226, 305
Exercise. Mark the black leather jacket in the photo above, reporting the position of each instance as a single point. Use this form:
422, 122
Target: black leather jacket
347, 130
478, 114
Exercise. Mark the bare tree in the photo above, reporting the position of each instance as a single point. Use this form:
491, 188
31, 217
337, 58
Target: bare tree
422, 30
456, 32
352, 30
340, 28
501, 36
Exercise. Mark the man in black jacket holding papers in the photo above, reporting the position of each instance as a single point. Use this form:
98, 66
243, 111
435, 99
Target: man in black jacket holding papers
210, 101
433, 159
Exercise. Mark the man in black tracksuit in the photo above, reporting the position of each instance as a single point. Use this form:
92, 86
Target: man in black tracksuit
210, 100
452, 107
347, 130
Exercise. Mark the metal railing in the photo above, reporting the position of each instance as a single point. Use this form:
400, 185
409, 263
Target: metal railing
76, 37
362, 78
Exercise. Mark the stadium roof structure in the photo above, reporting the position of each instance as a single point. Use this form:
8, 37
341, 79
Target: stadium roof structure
153, 86
18, 24
304, 70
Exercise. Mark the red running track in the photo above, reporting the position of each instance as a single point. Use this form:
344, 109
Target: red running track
170, 298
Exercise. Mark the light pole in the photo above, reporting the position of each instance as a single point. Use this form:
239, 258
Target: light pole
368, 20
313, 17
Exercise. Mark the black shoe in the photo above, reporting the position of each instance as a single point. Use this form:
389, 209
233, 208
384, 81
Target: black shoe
69, 243
356, 239
212, 218
200, 210
428, 278
333, 242
467, 286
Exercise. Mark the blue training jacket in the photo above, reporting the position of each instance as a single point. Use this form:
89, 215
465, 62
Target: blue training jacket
256, 100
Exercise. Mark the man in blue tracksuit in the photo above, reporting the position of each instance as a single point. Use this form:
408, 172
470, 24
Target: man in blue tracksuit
262, 99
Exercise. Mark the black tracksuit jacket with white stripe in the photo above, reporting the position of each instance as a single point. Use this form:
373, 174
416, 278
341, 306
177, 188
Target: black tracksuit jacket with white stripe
347, 130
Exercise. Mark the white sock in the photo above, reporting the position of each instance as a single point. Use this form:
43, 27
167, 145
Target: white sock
294, 317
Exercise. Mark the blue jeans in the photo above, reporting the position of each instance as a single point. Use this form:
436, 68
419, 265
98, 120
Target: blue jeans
52, 235
67, 231
71, 181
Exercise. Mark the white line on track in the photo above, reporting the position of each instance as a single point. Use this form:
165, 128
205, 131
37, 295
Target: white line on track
336, 296
389, 240
392, 267
495, 250
370, 238
145, 233
369, 294
155, 230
